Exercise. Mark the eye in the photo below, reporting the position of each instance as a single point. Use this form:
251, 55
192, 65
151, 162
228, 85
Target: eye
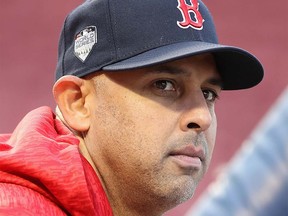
210, 95
165, 85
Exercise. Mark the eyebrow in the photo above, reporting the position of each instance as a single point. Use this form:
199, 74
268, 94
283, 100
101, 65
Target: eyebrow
216, 82
173, 70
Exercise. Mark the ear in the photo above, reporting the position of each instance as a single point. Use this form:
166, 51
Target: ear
70, 93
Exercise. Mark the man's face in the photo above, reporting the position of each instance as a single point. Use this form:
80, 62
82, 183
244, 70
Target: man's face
153, 130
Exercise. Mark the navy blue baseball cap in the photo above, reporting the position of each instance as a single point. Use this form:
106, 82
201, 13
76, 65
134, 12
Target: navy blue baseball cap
115, 35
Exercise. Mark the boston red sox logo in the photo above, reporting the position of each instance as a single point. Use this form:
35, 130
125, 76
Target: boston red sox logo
191, 15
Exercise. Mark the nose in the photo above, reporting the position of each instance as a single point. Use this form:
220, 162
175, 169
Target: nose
196, 115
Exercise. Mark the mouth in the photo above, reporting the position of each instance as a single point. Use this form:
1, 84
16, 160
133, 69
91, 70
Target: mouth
188, 157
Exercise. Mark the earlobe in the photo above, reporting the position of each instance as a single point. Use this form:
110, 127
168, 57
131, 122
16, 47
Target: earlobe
70, 93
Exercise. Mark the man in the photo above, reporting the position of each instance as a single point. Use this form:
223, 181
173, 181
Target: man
135, 129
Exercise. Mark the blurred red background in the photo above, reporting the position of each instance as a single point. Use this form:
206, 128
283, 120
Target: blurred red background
28, 53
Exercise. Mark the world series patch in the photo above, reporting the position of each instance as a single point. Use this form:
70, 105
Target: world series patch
84, 42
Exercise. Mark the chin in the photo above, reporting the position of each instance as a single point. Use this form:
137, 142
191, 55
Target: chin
180, 193
170, 202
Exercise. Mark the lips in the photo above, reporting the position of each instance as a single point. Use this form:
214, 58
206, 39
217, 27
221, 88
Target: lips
189, 156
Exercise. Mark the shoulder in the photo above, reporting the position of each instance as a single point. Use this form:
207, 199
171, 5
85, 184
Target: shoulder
25, 201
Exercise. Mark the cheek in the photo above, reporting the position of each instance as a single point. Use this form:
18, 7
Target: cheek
211, 135
128, 131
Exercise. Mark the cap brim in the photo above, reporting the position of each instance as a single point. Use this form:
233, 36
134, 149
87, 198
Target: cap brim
238, 68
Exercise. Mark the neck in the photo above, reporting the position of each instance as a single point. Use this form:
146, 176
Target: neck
121, 200
121, 208
132, 202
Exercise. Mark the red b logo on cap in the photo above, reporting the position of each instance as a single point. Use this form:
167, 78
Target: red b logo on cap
191, 15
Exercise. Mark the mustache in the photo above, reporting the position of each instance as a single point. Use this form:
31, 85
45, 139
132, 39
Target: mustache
196, 140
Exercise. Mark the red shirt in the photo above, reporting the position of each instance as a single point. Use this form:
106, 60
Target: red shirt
43, 173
